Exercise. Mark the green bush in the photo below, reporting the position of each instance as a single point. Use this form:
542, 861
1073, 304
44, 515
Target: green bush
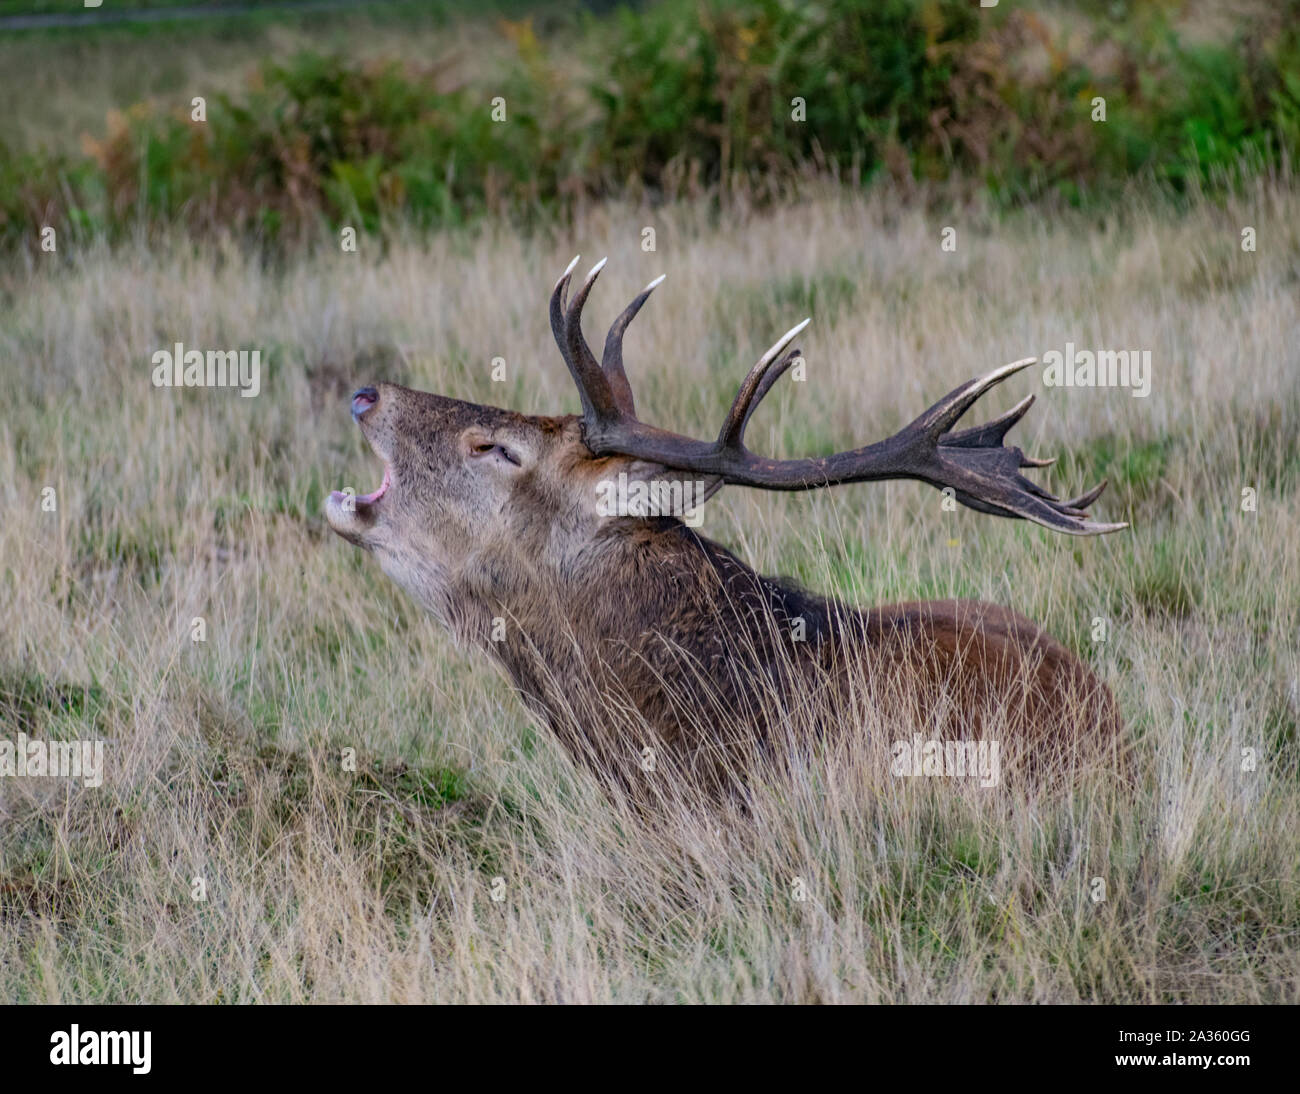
319, 137
698, 96
709, 89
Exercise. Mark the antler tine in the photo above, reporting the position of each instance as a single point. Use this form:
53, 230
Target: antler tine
558, 295
941, 417
612, 358
773, 375
1056, 516
566, 325
757, 384
1096, 528
991, 432
1083, 501
573, 314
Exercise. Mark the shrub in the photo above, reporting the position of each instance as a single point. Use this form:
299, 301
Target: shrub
697, 95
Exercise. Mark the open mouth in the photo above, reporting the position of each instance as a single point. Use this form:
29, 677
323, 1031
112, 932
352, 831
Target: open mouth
341, 496
354, 516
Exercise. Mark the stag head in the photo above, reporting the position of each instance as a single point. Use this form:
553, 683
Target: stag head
478, 501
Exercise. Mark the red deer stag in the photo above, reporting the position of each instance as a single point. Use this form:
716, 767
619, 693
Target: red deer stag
632, 635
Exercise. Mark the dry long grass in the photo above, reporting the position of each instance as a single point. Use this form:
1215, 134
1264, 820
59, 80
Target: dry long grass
324, 885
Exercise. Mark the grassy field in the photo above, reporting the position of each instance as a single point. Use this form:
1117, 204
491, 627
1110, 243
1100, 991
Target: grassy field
223, 756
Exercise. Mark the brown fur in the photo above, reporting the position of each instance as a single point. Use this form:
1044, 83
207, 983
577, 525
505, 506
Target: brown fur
627, 632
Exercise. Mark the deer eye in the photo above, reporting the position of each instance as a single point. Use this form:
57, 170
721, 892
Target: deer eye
488, 448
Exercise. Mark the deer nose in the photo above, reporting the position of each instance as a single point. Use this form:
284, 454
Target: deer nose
363, 399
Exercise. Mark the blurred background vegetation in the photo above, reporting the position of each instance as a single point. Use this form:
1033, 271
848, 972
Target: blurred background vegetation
381, 114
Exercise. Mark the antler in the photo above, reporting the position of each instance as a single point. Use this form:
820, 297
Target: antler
983, 473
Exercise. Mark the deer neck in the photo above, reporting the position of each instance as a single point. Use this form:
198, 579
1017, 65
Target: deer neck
645, 588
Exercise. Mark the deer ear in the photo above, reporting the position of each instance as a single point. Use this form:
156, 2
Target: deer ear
641, 488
